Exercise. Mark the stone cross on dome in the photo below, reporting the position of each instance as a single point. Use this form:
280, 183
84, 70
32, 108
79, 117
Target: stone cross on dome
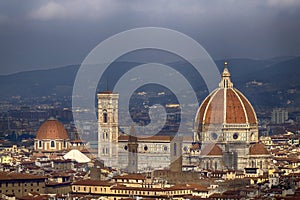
226, 82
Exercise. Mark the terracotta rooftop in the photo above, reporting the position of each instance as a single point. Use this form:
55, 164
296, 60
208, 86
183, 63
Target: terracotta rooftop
211, 150
226, 105
258, 149
52, 129
238, 109
195, 146
88, 182
106, 92
18, 176
131, 176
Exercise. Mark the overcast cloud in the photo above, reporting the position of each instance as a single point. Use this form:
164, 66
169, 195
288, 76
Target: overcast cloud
43, 34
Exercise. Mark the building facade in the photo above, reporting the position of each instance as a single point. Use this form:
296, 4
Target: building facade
18, 184
119, 150
226, 128
108, 130
279, 116
51, 137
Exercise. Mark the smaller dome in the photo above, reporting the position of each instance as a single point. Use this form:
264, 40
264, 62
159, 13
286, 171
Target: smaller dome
211, 150
52, 129
258, 149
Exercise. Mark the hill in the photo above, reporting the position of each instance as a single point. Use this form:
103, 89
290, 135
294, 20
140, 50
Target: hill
267, 83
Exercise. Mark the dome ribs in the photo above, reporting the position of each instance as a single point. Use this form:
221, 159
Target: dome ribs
235, 113
215, 110
52, 129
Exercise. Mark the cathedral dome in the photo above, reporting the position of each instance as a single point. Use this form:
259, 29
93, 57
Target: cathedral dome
226, 105
52, 129
258, 149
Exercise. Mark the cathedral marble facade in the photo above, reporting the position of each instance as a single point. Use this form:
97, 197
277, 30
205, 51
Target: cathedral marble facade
225, 136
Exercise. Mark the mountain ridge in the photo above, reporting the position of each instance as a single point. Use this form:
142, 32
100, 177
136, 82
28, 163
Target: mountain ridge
273, 74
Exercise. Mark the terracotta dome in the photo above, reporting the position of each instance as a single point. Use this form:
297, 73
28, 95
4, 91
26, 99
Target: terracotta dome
52, 129
258, 149
211, 150
226, 105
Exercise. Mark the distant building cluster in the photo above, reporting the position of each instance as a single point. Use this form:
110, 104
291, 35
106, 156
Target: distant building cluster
279, 116
224, 159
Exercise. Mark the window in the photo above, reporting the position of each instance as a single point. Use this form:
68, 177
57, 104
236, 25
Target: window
261, 164
214, 136
105, 118
40, 144
235, 136
175, 149
252, 136
185, 148
145, 148
165, 148
52, 144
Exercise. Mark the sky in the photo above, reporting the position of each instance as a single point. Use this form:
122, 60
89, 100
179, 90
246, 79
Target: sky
46, 34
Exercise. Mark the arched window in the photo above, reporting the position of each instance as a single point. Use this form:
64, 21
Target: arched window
175, 149
52, 144
261, 164
105, 118
216, 165
40, 144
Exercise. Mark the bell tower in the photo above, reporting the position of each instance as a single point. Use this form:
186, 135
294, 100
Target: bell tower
132, 151
108, 130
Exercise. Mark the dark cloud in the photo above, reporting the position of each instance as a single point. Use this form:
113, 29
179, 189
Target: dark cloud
43, 34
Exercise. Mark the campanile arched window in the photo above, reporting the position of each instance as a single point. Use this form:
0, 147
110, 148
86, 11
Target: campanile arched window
175, 149
105, 117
